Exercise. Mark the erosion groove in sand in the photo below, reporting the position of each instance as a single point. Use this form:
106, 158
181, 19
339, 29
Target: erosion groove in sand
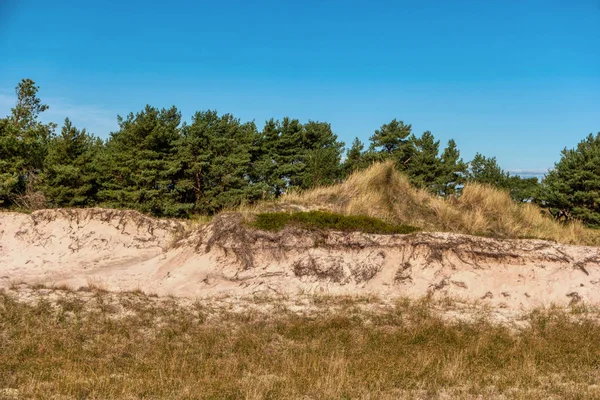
125, 250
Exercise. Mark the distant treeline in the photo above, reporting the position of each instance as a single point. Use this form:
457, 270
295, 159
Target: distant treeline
158, 164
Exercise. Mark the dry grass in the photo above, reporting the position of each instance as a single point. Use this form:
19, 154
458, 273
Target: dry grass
145, 348
382, 192
95, 284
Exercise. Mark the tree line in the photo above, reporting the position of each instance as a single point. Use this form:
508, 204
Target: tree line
158, 164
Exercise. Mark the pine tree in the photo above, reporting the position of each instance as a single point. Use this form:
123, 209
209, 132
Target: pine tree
12, 178
453, 171
267, 162
230, 167
23, 144
355, 158
138, 167
194, 157
524, 189
298, 155
321, 155
392, 140
282, 159
68, 177
288, 153
425, 167
28, 107
572, 188
487, 171
216, 155
322, 167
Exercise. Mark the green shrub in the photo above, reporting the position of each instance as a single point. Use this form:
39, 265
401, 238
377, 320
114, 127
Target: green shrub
314, 220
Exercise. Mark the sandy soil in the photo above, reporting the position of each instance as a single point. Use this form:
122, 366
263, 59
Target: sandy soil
124, 250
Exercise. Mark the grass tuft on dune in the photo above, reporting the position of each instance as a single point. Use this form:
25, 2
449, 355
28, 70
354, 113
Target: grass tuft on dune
384, 193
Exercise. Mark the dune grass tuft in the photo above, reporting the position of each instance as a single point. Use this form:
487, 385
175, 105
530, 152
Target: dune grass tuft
383, 192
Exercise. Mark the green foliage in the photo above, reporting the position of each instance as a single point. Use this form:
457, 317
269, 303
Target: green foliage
321, 155
158, 165
280, 160
487, 171
452, 171
214, 159
524, 189
296, 155
11, 178
322, 167
69, 177
392, 139
572, 188
418, 157
28, 107
23, 143
442, 174
327, 220
424, 167
138, 165
355, 158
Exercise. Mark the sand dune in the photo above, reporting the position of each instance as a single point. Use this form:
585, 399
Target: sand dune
124, 250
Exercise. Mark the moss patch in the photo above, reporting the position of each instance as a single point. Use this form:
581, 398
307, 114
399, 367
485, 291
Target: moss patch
321, 220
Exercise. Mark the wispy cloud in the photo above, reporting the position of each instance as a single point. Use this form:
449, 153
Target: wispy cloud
95, 119
529, 173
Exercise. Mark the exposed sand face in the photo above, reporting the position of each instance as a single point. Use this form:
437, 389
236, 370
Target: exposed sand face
124, 250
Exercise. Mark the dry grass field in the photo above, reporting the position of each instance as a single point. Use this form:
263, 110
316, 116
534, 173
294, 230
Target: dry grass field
91, 344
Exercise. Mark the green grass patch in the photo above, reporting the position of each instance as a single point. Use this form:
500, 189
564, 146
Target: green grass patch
323, 220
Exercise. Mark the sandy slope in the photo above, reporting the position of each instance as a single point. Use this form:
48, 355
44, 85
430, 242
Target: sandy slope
124, 250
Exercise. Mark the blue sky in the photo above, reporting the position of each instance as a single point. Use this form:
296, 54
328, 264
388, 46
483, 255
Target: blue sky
519, 80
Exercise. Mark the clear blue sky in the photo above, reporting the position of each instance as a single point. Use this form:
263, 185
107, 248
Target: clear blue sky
518, 80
